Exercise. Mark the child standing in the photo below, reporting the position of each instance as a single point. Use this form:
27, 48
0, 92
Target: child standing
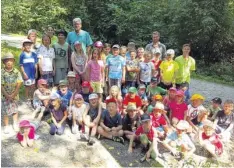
140, 54
123, 51
157, 62
131, 47
11, 81
28, 66
214, 108
46, 57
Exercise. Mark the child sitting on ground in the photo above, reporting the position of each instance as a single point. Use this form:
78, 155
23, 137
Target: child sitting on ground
116, 94
64, 93
111, 123
224, 121
214, 108
85, 91
155, 98
142, 91
210, 140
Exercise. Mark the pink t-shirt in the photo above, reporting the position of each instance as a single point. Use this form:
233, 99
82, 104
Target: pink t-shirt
95, 70
178, 110
30, 135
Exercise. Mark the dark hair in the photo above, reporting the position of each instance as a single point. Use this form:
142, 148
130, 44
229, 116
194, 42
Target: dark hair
62, 31
187, 45
107, 45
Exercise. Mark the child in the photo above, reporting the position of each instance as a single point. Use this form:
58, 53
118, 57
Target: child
106, 49
123, 51
156, 98
146, 135
32, 36
62, 57
210, 140
100, 48
178, 142
64, 93
78, 108
130, 121
95, 71
132, 98
194, 110
111, 123
28, 66
169, 98
116, 94
146, 70
140, 54
86, 90
132, 70
214, 108
131, 47
50, 32
58, 115
154, 89
157, 62
46, 57
168, 69
73, 83
178, 108
11, 81
224, 121
41, 97
79, 60
142, 91
116, 68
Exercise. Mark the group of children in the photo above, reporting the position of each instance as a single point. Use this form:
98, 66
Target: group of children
119, 95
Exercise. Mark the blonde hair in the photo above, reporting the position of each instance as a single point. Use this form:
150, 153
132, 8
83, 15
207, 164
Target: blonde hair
146, 53
117, 88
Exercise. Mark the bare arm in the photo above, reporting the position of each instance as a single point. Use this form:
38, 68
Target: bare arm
64, 117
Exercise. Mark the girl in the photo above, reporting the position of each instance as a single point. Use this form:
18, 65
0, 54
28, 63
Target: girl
79, 61
41, 97
32, 36
46, 57
116, 94
170, 97
157, 61
28, 66
123, 51
99, 46
95, 71
50, 32
73, 82
58, 115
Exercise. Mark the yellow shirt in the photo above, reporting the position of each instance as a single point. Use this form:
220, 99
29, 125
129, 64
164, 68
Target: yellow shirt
168, 69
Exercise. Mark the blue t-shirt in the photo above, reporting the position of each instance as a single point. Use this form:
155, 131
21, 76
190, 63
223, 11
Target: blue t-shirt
109, 121
115, 64
28, 61
82, 37
128, 57
65, 98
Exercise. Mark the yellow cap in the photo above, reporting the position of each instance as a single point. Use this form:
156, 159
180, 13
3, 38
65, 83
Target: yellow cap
157, 97
196, 97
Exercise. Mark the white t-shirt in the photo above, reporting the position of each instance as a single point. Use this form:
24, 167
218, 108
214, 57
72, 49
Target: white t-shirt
146, 71
46, 56
194, 111
78, 112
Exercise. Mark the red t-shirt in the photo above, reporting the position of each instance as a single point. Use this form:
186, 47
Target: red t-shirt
178, 110
149, 134
214, 139
156, 65
136, 100
30, 135
157, 121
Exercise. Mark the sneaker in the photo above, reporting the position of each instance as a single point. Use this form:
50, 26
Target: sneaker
118, 139
15, 127
6, 130
84, 136
78, 136
91, 141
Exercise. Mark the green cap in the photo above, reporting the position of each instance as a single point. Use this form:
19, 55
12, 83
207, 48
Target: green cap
132, 90
63, 83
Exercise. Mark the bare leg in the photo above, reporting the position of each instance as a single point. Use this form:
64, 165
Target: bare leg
104, 133
6, 120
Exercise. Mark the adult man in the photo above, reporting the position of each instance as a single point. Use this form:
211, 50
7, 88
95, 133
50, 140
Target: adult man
79, 35
152, 47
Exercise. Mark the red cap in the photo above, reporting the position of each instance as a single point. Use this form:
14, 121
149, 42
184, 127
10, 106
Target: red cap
111, 100
85, 84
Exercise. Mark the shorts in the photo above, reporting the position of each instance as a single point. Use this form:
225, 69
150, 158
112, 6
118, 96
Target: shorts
97, 87
9, 107
35, 124
60, 74
29, 82
48, 75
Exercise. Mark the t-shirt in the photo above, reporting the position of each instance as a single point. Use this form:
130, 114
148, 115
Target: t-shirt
214, 139
115, 65
95, 70
158, 121
178, 110
155, 90
129, 123
185, 66
58, 114
9, 81
213, 111
65, 98
156, 66
54, 39
109, 121
61, 55
28, 61
78, 111
82, 37
146, 71
168, 69
149, 134
150, 47
136, 100
132, 76
85, 96
46, 56
93, 112
224, 121
193, 112
80, 61
31, 134
128, 56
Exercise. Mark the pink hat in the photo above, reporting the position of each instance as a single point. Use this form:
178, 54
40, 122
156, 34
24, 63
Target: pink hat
42, 82
24, 123
179, 93
172, 89
78, 96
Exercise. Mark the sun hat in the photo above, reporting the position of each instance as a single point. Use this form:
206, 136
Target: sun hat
159, 106
131, 107
170, 52
93, 96
24, 123
157, 51
180, 93
63, 83
132, 90
42, 82
78, 96
54, 96
85, 84
116, 46
217, 100
209, 124
76, 20
145, 117
158, 97
182, 125
71, 74
8, 55
196, 97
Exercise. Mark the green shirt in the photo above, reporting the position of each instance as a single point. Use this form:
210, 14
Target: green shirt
185, 66
61, 55
155, 90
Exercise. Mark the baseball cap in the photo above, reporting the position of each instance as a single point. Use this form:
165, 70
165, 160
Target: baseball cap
93, 96
111, 100
179, 93
71, 74
26, 41
63, 83
77, 43
145, 117
154, 80
116, 46
85, 84
131, 107
54, 96
170, 52
8, 55
159, 106
196, 97
78, 96
141, 86
132, 90
217, 100
42, 82
173, 89
182, 125
77, 20
158, 97
24, 123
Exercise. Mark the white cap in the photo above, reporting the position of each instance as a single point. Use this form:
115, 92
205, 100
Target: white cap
26, 41
170, 52
182, 125
208, 123
71, 74
159, 106
54, 96
93, 96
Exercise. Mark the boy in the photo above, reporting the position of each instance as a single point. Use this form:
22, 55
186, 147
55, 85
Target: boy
214, 108
64, 93
111, 123
11, 81
146, 135
140, 54
28, 66
116, 68
224, 121
168, 70
131, 47
86, 90
154, 89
